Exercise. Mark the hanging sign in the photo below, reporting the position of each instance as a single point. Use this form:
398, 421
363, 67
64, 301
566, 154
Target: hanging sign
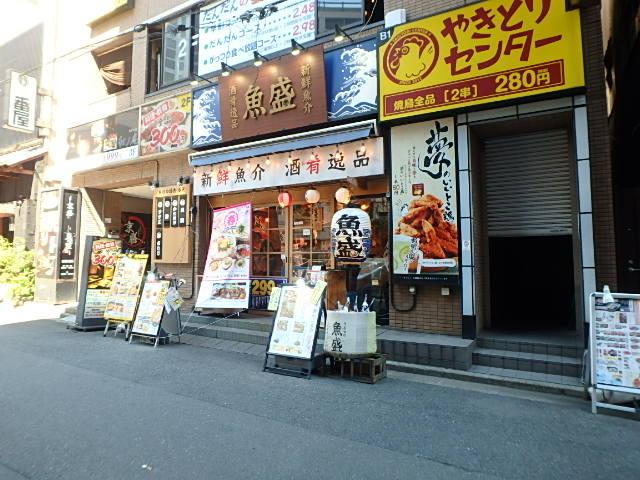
288, 94
225, 282
351, 235
295, 324
151, 308
23, 91
424, 201
352, 80
69, 235
231, 31
125, 288
101, 269
172, 240
482, 53
206, 128
313, 165
165, 126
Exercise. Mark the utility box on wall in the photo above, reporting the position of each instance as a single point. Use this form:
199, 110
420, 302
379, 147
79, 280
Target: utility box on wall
56, 245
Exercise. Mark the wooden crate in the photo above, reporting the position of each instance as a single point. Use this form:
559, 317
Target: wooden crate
368, 369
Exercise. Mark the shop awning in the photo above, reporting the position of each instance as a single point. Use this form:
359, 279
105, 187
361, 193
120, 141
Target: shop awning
316, 138
21, 156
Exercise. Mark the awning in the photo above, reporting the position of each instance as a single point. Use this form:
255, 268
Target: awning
316, 138
21, 156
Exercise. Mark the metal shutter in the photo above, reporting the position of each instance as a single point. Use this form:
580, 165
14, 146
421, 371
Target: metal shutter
528, 184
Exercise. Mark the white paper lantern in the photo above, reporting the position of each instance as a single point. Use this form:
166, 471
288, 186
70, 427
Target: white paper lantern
312, 196
343, 195
351, 235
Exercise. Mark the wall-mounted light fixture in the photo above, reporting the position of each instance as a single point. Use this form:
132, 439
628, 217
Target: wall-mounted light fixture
141, 27
259, 59
296, 48
195, 77
226, 69
154, 184
340, 35
183, 180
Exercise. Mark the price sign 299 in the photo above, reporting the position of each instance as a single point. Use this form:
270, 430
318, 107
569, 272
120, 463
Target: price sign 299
261, 290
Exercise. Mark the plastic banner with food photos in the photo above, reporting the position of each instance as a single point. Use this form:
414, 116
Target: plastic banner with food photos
295, 324
226, 282
425, 202
615, 336
104, 252
151, 308
166, 125
125, 288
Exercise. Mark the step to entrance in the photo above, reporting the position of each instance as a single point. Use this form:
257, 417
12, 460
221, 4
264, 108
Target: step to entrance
255, 337
260, 324
562, 361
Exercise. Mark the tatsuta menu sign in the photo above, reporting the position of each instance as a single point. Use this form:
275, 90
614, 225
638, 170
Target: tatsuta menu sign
232, 30
289, 93
424, 202
166, 125
482, 53
171, 236
348, 160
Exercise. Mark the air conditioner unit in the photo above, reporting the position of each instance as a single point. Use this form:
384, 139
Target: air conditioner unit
395, 17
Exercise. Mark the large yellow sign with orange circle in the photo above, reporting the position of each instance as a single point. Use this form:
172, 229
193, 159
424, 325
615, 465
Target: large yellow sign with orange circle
487, 52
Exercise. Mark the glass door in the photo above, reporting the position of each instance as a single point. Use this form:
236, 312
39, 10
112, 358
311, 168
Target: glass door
310, 237
269, 241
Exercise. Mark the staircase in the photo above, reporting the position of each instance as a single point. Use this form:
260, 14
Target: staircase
538, 361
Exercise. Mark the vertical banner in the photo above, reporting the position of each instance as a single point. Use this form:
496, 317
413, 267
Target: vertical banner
69, 236
47, 243
225, 283
127, 279
101, 269
149, 314
22, 102
425, 202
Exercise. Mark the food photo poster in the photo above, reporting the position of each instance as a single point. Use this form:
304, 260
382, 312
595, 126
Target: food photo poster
226, 279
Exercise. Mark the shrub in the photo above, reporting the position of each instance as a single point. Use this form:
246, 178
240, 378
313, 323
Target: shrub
17, 266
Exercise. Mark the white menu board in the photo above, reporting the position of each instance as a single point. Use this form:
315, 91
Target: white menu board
295, 324
616, 343
149, 314
231, 31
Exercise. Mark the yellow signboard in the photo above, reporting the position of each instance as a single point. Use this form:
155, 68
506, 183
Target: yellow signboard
487, 52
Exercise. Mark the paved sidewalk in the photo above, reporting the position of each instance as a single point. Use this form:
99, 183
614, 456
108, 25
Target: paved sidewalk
29, 312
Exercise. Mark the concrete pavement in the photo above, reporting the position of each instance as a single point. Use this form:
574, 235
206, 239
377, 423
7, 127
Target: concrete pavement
77, 405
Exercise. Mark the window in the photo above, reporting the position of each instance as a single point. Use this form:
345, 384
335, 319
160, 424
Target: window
348, 13
169, 52
114, 63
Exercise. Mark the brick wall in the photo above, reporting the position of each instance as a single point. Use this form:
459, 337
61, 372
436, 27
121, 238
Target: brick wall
599, 148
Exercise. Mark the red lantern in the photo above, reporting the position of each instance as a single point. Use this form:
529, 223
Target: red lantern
284, 199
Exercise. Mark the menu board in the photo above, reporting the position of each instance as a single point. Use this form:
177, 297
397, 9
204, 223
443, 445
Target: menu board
125, 288
225, 283
101, 269
171, 236
295, 324
149, 314
68, 237
617, 342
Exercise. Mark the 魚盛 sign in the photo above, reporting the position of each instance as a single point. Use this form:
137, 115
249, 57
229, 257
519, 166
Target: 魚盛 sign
486, 52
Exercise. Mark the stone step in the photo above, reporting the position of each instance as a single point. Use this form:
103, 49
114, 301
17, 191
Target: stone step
251, 323
558, 349
528, 362
496, 376
255, 337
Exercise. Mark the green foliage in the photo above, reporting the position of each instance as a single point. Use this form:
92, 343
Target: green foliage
17, 266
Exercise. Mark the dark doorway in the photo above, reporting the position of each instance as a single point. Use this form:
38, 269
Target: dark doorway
532, 283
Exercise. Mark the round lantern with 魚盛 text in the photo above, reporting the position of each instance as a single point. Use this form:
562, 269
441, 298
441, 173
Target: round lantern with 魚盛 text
351, 235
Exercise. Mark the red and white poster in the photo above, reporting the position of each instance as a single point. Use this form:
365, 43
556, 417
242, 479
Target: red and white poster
166, 125
226, 282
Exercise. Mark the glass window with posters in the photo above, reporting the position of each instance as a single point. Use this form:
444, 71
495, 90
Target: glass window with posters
424, 202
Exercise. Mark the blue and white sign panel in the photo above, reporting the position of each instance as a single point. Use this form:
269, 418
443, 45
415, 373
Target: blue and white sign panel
207, 127
230, 31
352, 88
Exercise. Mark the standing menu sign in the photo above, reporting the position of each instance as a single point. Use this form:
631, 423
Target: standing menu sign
48, 235
424, 201
151, 308
125, 288
296, 323
615, 345
68, 237
226, 282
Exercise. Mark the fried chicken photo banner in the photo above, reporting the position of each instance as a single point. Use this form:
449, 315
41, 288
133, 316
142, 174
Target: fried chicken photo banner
483, 53
425, 202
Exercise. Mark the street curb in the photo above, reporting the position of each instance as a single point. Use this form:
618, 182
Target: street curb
530, 385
